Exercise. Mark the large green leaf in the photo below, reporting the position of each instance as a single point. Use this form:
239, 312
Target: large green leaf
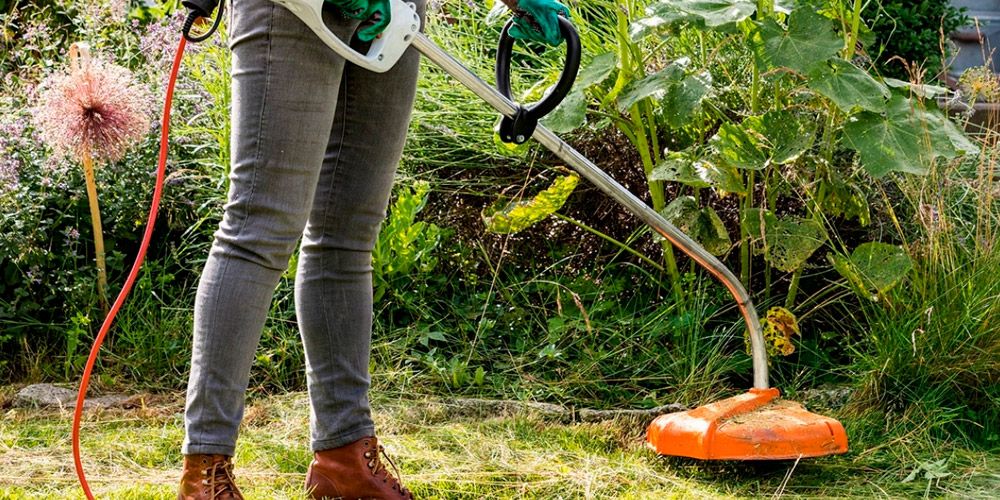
684, 98
738, 148
724, 178
519, 215
660, 14
701, 224
679, 167
652, 85
919, 90
696, 169
809, 40
873, 268
786, 135
598, 70
569, 115
907, 138
848, 86
700, 13
788, 242
717, 12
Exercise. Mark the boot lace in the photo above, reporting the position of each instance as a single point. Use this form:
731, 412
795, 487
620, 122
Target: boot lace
377, 467
220, 481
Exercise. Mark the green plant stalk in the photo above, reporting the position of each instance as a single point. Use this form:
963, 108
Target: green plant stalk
656, 195
745, 235
95, 219
745, 240
793, 288
653, 132
852, 37
611, 240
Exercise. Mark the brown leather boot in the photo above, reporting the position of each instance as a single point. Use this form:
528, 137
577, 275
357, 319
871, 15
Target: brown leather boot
354, 471
208, 477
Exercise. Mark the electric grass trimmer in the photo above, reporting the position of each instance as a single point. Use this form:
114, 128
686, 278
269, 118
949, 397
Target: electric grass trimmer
752, 426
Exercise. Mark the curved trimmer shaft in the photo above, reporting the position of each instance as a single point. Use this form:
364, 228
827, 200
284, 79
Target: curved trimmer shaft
602, 180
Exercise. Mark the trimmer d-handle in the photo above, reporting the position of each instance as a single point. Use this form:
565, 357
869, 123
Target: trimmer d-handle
384, 52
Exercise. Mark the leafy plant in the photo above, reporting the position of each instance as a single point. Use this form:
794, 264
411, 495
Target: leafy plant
911, 32
519, 215
405, 246
766, 99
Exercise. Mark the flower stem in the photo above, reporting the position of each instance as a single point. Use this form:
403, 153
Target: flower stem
95, 218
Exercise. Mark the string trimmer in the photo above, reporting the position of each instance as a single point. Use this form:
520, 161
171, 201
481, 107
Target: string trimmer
751, 426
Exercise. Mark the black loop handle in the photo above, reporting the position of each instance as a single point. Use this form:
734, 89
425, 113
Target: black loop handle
198, 9
518, 128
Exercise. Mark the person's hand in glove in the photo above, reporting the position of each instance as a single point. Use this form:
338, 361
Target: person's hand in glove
377, 10
539, 21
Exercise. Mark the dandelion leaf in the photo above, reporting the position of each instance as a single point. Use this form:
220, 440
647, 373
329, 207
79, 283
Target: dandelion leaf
517, 216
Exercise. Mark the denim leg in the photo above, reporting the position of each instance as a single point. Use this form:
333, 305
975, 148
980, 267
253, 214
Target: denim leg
284, 97
333, 291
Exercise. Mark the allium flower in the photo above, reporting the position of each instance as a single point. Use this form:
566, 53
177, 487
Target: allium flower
98, 109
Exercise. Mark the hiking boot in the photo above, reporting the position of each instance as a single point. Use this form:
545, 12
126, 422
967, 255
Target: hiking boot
354, 471
208, 477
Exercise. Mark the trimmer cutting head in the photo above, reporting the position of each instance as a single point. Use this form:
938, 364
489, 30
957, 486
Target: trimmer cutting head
752, 426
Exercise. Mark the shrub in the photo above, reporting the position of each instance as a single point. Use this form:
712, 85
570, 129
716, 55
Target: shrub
912, 31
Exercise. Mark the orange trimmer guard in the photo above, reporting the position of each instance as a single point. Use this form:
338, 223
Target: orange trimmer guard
752, 426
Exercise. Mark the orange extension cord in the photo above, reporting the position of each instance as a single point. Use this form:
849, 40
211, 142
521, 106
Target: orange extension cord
133, 274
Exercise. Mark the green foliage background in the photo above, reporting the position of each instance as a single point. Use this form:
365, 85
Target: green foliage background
912, 31
844, 196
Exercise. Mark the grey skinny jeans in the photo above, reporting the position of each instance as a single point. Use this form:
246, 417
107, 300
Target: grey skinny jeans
315, 145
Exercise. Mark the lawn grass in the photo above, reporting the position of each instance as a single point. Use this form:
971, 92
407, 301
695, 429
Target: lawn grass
134, 454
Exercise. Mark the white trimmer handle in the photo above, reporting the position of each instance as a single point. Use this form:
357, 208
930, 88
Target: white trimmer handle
385, 50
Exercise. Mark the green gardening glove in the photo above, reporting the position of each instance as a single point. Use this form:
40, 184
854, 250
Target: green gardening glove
354, 9
380, 12
544, 14
377, 10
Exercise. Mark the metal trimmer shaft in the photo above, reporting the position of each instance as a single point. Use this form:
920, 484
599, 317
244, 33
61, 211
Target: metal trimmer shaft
606, 183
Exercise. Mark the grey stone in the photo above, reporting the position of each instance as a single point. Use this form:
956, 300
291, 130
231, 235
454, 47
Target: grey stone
51, 395
42, 395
